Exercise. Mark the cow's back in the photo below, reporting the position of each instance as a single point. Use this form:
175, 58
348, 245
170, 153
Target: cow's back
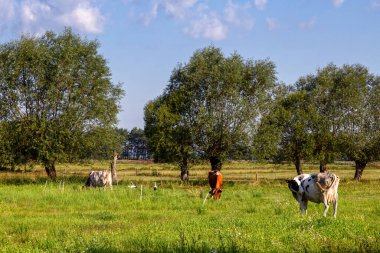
99, 178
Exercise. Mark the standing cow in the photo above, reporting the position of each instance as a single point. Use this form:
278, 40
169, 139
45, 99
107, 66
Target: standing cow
317, 188
99, 178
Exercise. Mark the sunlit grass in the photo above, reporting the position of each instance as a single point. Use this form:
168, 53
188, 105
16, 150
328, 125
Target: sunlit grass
264, 217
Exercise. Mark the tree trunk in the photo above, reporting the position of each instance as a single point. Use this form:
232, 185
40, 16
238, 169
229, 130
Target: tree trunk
215, 162
322, 166
184, 170
359, 167
50, 169
297, 163
113, 168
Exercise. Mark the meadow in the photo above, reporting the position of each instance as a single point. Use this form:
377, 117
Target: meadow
257, 212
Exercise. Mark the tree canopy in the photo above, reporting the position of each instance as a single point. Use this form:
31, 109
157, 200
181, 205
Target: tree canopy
215, 100
332, 114
54, 91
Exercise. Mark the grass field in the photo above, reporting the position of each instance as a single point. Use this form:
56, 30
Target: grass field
256, 214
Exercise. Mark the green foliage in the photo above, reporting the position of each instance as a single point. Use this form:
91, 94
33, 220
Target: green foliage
359, 130
165, 137
348, 105
289, 126
332, 114
137, 142
101, 143
212, 102
54, 89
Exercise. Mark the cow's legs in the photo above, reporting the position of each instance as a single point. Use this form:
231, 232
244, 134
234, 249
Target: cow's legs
327, 205
335, 204
303, 206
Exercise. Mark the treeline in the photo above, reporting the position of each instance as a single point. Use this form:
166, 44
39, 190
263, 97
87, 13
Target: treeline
57, 104
135, 146
218, 107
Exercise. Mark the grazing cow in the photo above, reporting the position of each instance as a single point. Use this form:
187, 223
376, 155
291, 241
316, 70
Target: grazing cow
99, 178
317, 188
215, 179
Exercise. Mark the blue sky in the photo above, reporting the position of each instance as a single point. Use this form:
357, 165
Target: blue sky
144, 40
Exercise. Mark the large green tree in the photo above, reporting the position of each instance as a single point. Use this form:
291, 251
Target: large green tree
168, 138
54, 90
358, 122
218, 99
321, 89
286, 133
347, 103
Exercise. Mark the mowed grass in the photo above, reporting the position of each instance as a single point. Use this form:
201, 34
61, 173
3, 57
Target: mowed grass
253, 216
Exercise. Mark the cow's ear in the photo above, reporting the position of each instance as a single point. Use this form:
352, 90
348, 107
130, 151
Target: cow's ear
288, 181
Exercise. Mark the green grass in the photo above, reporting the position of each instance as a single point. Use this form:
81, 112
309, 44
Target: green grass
42, 216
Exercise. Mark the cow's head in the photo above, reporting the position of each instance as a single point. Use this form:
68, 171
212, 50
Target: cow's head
293, 185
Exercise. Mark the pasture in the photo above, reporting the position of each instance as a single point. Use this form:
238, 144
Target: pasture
257, 212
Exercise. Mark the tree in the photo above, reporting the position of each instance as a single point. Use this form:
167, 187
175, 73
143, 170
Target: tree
217, 99
167, 138
348, 103
321, 89
268, 134
358, 101
56, 89
136, 145
288, 129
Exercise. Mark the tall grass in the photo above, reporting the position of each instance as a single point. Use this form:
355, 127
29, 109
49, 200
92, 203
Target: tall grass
260, 217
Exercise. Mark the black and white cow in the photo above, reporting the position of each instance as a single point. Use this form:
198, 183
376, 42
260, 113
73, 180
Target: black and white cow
99, 178
317, 188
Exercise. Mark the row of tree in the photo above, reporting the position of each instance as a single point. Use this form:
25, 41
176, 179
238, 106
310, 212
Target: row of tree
135, 146
57, 103
226, 107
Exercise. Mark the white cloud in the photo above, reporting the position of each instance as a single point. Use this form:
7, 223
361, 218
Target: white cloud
37, 16
178, 8
272, 24
209, 27
260, 4
152, 14
308, 24
31, 11
337, 3
84, 17
33, 15
197, 17
233, 14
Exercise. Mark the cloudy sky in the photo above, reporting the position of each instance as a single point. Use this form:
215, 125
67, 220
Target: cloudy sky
144, 40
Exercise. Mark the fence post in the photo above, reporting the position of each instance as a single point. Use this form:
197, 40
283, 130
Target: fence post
141, 194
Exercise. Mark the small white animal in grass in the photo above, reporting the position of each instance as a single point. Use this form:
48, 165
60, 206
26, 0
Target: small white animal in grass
132, 186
